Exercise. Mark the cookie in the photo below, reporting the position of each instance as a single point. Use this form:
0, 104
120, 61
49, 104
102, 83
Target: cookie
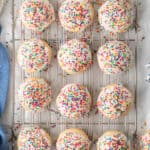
114, 101
34, 94
73, 139
74, 56
145, 141
114, 57
113, 140
34, 55
34, 138
116, 16
76, 15
74, 101
37, 14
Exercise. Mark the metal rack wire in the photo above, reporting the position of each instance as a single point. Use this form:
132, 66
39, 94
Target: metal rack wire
94, 124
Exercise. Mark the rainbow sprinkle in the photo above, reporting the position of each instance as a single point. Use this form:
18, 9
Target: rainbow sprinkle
115, 15
113, 140
114, 101
76, 15
34, 138
74, 101
145, 141
34, 55
73, 139
75, 56
37, 15
34, 94
114, 57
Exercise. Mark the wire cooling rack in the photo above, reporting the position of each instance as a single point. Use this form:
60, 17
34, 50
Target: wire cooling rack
94, 124
2, 2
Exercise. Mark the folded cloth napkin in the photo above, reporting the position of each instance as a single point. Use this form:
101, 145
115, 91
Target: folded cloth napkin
3, 141
4, 77
4, 81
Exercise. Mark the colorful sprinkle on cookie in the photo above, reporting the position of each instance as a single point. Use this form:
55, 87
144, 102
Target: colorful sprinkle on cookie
74, 101
114, 101
76, 15
145, 141
34, 94
113, 140
73, 139
34, 55
34, 138
116, 16
75, 56
37, 14
114, 57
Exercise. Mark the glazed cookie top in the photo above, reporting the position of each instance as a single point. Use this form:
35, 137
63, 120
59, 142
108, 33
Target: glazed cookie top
74, 101
145, 141
73, 139
74, 56
116, 16
76, 15
34, 94
33, 138
113, 140
34, 55
37, 14
114, 101
114, 57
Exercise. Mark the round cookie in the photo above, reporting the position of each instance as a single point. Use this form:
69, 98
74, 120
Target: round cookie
73, 139
74, 101
116, 16
34, 55
34, 138
34, 94
114, 101
76, 15
37, 14
113, 140
75, 56
145, 141
114, 57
